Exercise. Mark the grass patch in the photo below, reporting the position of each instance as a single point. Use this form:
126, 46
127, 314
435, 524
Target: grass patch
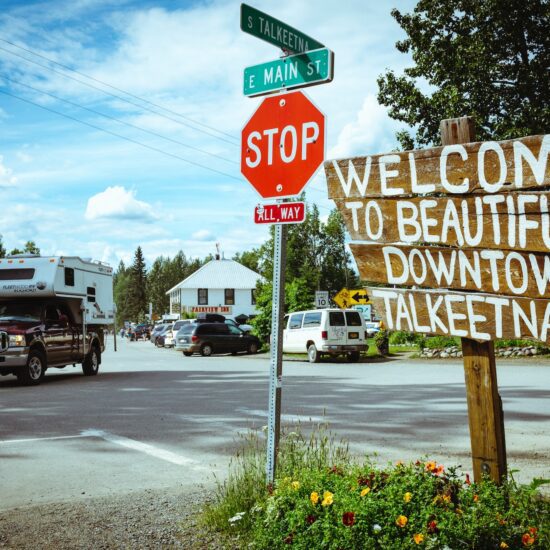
324, 499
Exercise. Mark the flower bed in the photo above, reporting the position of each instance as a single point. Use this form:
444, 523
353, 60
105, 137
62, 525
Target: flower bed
455, 351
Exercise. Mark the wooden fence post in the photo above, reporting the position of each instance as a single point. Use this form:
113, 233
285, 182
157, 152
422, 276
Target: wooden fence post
485, 415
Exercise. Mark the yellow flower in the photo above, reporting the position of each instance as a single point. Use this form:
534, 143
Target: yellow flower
401, 521
295, 485
446, 499
365, 491
287, 480
407, 497
503, 545
418, 538
328, 498
314, 497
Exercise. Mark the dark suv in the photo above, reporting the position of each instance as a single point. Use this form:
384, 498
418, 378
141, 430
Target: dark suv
209, 338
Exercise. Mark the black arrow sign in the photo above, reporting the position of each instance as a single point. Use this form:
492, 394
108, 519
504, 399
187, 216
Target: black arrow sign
358, 296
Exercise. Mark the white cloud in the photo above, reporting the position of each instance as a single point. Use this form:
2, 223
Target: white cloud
24, 157
118, 203
7, 179
202, 235
372, 128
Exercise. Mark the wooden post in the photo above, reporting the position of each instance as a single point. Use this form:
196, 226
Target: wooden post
484, 403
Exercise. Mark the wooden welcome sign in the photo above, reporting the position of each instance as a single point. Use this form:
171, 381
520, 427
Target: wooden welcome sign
471, 218
463, 232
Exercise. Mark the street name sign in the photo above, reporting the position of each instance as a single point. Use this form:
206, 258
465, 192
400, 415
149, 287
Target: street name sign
286, 212
283, 145
294, 71
264, 26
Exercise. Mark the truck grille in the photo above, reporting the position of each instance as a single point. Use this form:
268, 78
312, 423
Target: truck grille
4, 341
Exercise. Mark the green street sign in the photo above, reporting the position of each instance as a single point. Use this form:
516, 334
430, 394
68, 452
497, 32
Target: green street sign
263, 26
294, 71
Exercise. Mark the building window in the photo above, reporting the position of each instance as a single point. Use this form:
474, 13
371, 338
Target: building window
69, 276
203, 297
229, 296
253, 296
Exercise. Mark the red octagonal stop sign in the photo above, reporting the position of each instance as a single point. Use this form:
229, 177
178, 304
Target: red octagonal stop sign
282, 145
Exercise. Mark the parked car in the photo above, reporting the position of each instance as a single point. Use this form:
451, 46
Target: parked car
170, 335
157, 329
140, 332
371, 328
160, 336
218, 318
209, 338
325, 332
243, 326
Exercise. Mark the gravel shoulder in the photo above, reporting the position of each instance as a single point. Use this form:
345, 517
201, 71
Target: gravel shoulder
146, 519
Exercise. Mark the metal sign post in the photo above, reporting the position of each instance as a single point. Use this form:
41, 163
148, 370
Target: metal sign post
276, 361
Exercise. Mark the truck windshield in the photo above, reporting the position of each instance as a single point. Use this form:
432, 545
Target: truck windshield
20, 311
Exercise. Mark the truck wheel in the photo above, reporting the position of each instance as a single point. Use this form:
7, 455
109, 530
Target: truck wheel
90, 366
206, 350
34, 370
312, 354
353, 356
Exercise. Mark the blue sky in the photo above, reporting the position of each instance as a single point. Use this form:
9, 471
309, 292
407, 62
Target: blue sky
77, 189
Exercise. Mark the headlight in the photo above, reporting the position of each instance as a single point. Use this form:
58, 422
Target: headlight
17, 340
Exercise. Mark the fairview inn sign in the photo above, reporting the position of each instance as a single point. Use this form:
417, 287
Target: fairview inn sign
471, 221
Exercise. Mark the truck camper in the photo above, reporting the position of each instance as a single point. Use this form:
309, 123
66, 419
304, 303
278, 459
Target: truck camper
53, 312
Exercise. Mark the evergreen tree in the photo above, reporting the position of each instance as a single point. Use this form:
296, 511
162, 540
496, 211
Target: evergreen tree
137, 304
487, 59
2, 248
121, 282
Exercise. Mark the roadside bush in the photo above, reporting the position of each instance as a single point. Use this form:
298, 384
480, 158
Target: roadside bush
322, 499
402, 337
439, 342
381, 341
522, 344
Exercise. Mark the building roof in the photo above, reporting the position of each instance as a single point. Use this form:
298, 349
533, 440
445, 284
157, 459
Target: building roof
220, 274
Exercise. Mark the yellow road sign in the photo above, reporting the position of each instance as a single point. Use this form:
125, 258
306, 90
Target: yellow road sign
346, 298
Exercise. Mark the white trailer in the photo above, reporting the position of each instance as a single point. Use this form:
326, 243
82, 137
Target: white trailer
84, 282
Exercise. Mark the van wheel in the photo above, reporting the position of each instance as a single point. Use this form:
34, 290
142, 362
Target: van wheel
187, 353
353, 356
206, 350
90, 366
252, 348
312, 354
34, 370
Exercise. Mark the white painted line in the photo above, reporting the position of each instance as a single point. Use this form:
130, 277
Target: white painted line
150, 450
8, 441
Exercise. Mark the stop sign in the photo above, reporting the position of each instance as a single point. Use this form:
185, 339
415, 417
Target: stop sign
282, 145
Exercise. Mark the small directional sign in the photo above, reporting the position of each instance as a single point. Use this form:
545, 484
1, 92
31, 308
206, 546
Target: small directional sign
264, 26
359, 297
294, 71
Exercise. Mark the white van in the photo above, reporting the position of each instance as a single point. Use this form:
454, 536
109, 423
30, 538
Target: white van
325, 332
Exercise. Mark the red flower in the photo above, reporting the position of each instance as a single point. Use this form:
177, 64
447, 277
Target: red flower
311, 519
432, 527
336, 471
468, 482
348, 518
270, 489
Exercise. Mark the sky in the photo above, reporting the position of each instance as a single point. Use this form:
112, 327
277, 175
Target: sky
120, 121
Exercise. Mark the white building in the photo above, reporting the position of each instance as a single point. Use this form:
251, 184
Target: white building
220, 286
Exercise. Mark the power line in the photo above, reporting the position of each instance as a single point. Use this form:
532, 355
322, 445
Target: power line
120, 136
129, 124
120, 98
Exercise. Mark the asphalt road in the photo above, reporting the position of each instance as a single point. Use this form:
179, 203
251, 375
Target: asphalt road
153, 418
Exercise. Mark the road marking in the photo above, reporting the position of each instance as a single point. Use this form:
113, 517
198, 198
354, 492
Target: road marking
150, 450
8, 441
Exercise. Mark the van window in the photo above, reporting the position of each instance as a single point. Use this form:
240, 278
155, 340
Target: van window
296, 320
16, 274
336, 319
353, 319
312, 319
285, 321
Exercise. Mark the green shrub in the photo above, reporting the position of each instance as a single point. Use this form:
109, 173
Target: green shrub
321, 499
381, 341
439, 342
402, 337
521, 344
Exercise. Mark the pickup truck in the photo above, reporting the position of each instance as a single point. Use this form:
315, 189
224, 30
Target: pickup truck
36, 335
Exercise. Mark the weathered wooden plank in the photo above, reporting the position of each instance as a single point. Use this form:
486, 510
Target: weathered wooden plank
481, 317
516, 220
485, 417
487, 167
509, 272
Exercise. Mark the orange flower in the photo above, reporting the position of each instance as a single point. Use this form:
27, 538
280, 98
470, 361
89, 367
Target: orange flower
430, 466
314, 497
476, 498
365, 491
446, 499
528, 539
401, 521
418, 538
407, 497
